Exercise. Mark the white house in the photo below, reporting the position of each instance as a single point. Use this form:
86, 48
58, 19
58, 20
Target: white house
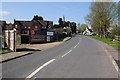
88, 31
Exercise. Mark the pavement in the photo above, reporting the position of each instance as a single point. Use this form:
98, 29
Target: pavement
80, 57
26, 49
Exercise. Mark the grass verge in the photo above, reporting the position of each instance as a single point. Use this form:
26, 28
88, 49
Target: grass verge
4, 51
115, 44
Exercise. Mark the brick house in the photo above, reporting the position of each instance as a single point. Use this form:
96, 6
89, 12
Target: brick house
36, 29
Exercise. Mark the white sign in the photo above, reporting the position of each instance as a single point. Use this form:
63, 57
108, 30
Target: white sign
50, 33
48, 38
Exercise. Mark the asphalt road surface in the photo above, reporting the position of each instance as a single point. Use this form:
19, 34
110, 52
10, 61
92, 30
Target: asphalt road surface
80, 57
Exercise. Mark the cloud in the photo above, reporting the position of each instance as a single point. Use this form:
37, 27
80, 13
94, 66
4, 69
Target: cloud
5, 12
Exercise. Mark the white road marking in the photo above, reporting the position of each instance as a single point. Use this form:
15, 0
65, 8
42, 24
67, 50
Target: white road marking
79, 38
111, 58
77, 44
67, 53
41, 67
116, 67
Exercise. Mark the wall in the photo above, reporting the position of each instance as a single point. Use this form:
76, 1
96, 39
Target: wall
10, 39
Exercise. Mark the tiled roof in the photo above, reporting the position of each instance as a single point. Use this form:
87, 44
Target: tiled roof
89, 29
42, 22
25, 23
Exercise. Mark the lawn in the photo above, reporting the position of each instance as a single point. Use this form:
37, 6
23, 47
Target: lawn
4, 51
115, 44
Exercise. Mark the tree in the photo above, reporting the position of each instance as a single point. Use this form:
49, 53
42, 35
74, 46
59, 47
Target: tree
73, 27
66, 24
82, 27
102, 14
60, 21
115, 32
9, 26
38, 17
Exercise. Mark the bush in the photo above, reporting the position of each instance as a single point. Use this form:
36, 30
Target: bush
115, 31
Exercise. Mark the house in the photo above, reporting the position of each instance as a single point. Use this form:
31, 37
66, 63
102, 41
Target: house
88, 31
36, 29
49, 25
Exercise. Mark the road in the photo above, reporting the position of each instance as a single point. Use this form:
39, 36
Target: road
80, 57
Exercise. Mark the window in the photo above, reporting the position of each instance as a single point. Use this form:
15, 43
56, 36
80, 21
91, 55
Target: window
43, 27
26, 32
36, 28
37, 31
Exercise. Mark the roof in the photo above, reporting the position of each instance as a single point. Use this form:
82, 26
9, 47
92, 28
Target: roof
42, 22
89, 29
25, 23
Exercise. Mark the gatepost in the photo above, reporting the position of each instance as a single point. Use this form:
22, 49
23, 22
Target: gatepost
10, 39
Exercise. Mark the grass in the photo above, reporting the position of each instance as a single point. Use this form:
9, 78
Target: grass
4, 51
115, 44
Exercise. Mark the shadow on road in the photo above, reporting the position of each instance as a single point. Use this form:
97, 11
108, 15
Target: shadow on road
26, 49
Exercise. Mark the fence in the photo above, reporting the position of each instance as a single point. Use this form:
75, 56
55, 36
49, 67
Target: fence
10, 39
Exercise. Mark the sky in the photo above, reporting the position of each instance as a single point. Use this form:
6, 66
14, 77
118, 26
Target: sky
73, 11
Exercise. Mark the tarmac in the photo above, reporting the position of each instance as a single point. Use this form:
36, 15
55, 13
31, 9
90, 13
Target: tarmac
30, 49
113, 53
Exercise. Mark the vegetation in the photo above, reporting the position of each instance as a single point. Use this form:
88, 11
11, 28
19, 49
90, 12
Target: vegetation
82, 28
115, 44
9, 27
101, 16
4, 51
115, 31
38, 17
63, 23
60, 21
103, 20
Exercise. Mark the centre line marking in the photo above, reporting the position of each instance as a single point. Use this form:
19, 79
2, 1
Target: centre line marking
79, 38
67, 53
41, 67
76, 44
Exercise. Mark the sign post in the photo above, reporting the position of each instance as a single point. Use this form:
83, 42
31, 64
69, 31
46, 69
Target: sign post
49, 35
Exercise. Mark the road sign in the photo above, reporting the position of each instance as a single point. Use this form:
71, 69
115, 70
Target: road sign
50, 33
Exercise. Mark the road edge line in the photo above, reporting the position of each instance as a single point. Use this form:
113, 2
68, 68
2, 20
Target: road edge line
108, 54
113, 61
